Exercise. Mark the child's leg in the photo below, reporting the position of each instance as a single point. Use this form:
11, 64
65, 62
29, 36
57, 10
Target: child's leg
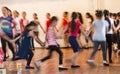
30, 58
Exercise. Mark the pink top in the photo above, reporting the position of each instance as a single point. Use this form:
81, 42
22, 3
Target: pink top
51, 37
75, 33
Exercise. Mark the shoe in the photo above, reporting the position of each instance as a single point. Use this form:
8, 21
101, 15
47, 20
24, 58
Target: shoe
106, 64
37, 65
91, 62
75, 66
110, 61
28, 67
62, 68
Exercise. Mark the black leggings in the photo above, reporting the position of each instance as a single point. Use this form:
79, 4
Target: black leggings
3, 42
51, 49
109, 38
30, 56
18, 41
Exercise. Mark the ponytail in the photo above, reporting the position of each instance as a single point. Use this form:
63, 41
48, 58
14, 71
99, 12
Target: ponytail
73, 23
106, 14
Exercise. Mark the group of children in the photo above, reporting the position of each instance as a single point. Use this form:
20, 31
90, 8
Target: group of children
99, 32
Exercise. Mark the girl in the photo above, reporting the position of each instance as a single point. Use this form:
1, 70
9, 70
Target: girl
65, 21
89, 20
52, 45
17, 27
24, 21
73, 28
80, 19
35, 19
109, 35
99, 37
115, 33
25, 51
7, 29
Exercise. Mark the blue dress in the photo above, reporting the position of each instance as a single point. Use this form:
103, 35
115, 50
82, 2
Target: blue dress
25, 46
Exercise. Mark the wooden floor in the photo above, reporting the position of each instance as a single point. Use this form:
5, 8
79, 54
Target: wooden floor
51, 66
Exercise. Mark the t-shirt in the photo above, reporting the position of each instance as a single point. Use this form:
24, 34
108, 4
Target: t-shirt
65, 22
24, 22
100, 30
75, 33
112, 23
18, 29
51, 37
88, 22
47, 24
6, 25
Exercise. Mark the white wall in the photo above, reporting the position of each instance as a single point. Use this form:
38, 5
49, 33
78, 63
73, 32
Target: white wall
57, 7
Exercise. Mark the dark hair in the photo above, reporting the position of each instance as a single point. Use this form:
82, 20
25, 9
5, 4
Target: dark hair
26, 30
16, 12
118, 14
48, 14
99, 13
111, 14
106, 14
35, 15
90, 16
54, 18
73, 24
80, 17
6, 7
66, 13
115, 15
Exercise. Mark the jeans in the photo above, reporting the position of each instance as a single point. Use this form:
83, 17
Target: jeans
103, 45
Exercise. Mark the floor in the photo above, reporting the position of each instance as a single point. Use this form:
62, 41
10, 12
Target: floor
51, 66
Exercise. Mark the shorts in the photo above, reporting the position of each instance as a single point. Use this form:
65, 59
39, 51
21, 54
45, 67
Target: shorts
74, 44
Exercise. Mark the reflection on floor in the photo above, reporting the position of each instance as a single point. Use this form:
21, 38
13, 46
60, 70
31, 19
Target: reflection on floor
51, 66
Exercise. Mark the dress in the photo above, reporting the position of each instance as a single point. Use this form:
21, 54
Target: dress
25, 46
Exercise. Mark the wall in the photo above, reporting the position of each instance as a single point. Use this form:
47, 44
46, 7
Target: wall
57, 7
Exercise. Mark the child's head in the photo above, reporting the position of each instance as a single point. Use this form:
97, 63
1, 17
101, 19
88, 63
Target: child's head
35, 16
106, 13
65, 14
32, 25
48, 15
99, 14
5, 11
15, 13
24, 14
54, 20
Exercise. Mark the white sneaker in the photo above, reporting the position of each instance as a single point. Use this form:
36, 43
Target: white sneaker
37, 64
91, 62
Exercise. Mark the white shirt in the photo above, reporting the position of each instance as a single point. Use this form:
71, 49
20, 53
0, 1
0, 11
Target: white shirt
17, 20
112, 23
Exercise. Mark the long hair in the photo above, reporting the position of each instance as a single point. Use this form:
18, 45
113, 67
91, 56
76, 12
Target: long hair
80, 17
90, 16
73, 24
106, 14
26, 30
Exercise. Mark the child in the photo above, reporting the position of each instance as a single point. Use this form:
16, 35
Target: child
52, 45
99, 37
25, 51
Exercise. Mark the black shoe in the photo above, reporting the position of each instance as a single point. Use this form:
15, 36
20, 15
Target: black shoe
28, 67
62, 68
110, 61
75, 66
105, 64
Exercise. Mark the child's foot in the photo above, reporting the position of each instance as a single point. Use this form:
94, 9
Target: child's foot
75, 66
91, 62
62, 68
37, 64
105, 63
29, 67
